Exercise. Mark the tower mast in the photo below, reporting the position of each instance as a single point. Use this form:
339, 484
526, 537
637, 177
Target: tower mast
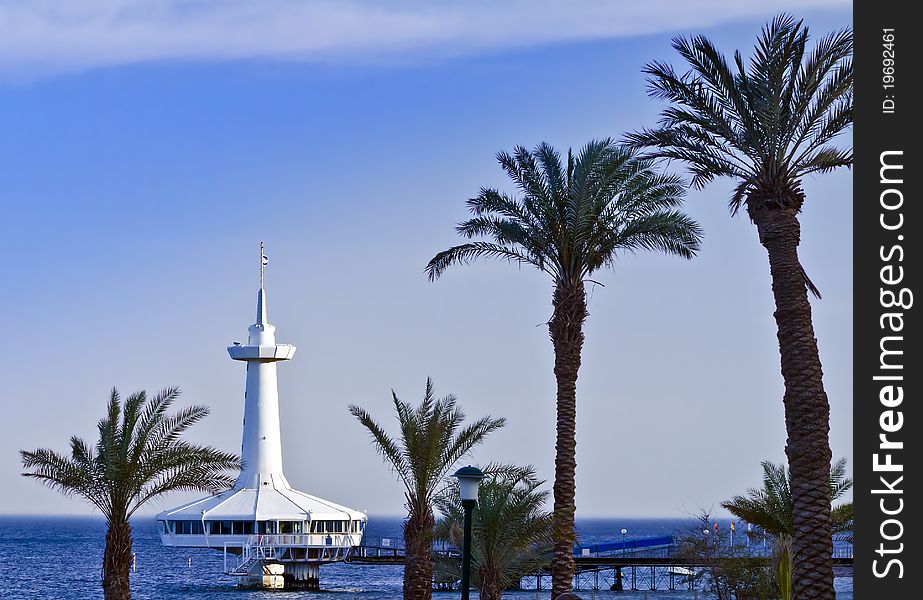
261, 444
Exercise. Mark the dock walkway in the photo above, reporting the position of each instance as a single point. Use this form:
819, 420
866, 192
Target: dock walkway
637, 564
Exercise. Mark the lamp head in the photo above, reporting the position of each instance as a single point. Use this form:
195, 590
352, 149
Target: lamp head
469, 478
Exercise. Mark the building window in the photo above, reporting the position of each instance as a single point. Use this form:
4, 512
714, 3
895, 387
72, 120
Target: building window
220, 527
266, 527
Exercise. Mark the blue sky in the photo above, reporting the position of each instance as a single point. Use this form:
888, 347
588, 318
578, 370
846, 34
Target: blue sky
141, 170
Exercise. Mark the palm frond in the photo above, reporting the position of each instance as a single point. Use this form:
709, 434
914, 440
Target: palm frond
466, 253
152, 415
139, 455
766, 123
842, 520
512, 531
431, 441
385, 445
770, 507
576, 215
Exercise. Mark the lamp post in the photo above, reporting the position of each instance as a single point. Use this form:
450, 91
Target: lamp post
469, 478
624, 531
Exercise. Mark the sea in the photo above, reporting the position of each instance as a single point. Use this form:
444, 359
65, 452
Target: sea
59, 558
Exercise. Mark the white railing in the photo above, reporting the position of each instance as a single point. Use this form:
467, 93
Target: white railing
271, 547
304, 540
249, 555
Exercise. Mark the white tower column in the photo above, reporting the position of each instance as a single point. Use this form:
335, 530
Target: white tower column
261, 448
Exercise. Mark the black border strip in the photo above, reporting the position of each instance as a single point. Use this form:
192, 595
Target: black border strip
886, 273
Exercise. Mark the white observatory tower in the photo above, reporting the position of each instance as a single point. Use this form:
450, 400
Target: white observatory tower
272, 535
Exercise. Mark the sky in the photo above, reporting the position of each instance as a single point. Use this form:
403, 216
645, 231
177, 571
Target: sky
148, 147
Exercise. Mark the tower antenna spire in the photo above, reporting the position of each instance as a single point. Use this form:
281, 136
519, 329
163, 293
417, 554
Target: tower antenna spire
264, 260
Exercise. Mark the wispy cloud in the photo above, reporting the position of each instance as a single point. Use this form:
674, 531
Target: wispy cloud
41, 37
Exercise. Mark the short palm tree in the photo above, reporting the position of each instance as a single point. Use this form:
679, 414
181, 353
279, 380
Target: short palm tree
575, 217
767, 125
511, 531
771, 509
431, 441
139, 456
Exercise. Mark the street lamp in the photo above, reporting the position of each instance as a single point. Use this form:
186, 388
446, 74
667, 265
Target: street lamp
624, 531
469, 478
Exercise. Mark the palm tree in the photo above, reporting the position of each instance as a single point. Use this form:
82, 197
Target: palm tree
431, 442
574, 218
139, 456
767, 125
511, 532
771, 509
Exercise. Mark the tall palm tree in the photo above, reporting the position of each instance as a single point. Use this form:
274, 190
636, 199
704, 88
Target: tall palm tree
575, 217
767, 125
431, 441
139, 456
771, 509
511, 531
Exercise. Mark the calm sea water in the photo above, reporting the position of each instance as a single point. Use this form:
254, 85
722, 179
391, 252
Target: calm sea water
59, 558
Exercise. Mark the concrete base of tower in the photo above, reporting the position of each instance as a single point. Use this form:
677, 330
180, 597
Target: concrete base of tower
275, 576
311, 584
265, 577
302, 576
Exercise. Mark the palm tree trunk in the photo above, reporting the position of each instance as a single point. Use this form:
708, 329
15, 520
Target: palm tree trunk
418, 565
566, 329
807, 411
489, 588
117, 561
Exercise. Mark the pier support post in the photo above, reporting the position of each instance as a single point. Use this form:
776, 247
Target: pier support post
302, 576
617, 586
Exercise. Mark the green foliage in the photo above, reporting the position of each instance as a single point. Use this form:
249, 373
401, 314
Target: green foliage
575, 215
782, 560
729, 571
770, 508
842, 517
511, 532
431, 442
766, 122
139, 456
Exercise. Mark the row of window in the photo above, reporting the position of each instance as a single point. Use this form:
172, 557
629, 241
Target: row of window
261, 527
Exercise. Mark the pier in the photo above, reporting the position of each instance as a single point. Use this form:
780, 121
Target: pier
636, 564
